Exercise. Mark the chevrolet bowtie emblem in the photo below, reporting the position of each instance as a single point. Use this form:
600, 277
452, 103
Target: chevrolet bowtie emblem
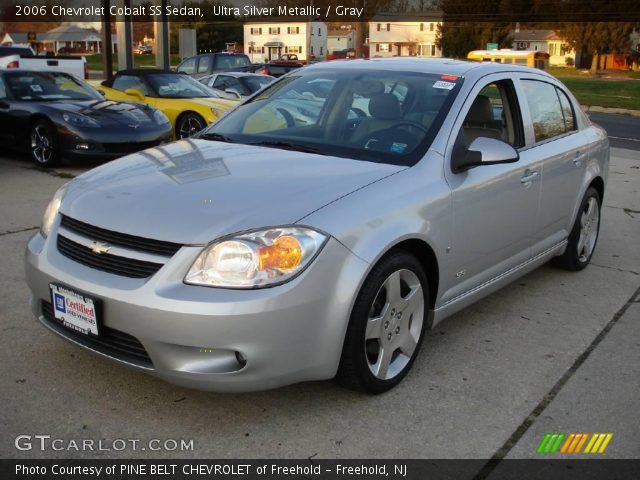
100, 247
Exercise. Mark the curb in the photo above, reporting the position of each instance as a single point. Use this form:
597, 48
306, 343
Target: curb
616, 111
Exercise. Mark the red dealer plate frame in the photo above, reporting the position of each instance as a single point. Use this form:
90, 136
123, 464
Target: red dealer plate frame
72, 309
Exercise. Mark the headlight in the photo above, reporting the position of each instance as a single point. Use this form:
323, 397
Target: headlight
51, 211
160, 118
257, 259
79, 120
217, 112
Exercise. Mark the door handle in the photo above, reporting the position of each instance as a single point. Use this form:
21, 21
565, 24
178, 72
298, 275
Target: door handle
528, 177
577, 159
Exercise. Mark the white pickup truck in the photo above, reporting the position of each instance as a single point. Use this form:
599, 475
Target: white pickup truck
25, 58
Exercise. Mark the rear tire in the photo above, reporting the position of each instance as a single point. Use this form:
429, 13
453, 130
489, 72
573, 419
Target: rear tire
584, 235
387, 325
43, 143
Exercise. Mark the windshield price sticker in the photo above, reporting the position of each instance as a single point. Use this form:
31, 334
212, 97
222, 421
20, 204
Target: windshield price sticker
444, 85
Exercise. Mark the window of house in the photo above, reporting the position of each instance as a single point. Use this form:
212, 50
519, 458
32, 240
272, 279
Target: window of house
431, 27
274, 30
422, 27
293, 30
321, 50
388, 27
545, 109
433, 50
319, 32
378, 27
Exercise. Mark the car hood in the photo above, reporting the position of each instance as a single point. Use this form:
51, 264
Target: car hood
194, 191
108, 113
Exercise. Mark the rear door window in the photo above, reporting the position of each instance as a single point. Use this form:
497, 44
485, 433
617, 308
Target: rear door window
203, 64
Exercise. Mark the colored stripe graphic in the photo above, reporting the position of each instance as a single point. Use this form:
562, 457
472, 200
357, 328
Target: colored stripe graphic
572, 443
598, 443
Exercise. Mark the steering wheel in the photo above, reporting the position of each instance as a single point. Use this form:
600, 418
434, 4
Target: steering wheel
388, 140
287, 117
409, 123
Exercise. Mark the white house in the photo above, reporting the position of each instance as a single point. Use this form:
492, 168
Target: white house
389, 37
269, 40
543, 41
341, 39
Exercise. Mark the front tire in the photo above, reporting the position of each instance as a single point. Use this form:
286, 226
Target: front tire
44, 144
387, 325
189, 124
584, 235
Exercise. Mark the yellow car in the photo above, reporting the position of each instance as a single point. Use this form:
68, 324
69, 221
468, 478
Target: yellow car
189, 105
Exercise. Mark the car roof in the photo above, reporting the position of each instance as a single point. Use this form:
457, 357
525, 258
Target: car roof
441, 66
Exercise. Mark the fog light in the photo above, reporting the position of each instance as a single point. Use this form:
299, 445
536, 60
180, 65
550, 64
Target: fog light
241, 359
82, 146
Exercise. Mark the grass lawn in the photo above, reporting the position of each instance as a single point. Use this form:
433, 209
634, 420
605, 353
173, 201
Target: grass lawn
605, 93
94, 62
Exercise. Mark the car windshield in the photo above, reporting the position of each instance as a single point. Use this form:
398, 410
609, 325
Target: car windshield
254, 83
383, 116
48, 86
169, 85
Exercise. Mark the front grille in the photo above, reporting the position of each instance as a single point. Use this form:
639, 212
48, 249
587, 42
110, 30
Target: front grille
132, 242
111, 342
127, 267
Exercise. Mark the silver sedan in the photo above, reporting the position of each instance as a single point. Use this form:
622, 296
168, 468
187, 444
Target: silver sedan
271, 250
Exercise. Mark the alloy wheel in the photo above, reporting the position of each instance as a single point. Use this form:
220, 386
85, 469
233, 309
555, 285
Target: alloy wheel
394, 324
42, 146
189, 126
589, 223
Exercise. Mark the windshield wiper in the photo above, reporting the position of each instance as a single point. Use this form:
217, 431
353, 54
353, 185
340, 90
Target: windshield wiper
216, 136
288, 146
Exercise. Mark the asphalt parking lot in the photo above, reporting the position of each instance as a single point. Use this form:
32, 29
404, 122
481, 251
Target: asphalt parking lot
555, 351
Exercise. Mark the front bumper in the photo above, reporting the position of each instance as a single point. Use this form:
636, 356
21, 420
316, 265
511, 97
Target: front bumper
287, 334
79, 144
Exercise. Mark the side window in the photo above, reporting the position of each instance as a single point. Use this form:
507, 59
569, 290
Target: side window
124, 82
494, 114
188, 66
567, 111
544, 106
3, 90
220, 82
203, 64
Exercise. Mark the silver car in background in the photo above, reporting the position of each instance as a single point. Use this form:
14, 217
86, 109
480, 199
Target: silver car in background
271, 250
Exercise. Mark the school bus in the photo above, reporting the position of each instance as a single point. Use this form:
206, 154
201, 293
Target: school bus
516, 57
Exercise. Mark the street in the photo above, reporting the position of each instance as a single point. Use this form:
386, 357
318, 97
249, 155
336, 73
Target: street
623, 130
555, 351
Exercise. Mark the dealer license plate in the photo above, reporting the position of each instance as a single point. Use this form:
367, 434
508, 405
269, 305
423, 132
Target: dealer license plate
75, 310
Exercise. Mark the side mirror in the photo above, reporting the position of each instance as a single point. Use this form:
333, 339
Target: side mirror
233, 91
134, 92
483, 151
102, 92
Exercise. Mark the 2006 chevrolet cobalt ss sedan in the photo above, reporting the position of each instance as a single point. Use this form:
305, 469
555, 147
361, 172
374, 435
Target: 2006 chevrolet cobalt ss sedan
317, 230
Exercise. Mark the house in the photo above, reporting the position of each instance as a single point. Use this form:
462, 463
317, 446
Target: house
269, 40
69, 37
544, 41
393, 35
341, 39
